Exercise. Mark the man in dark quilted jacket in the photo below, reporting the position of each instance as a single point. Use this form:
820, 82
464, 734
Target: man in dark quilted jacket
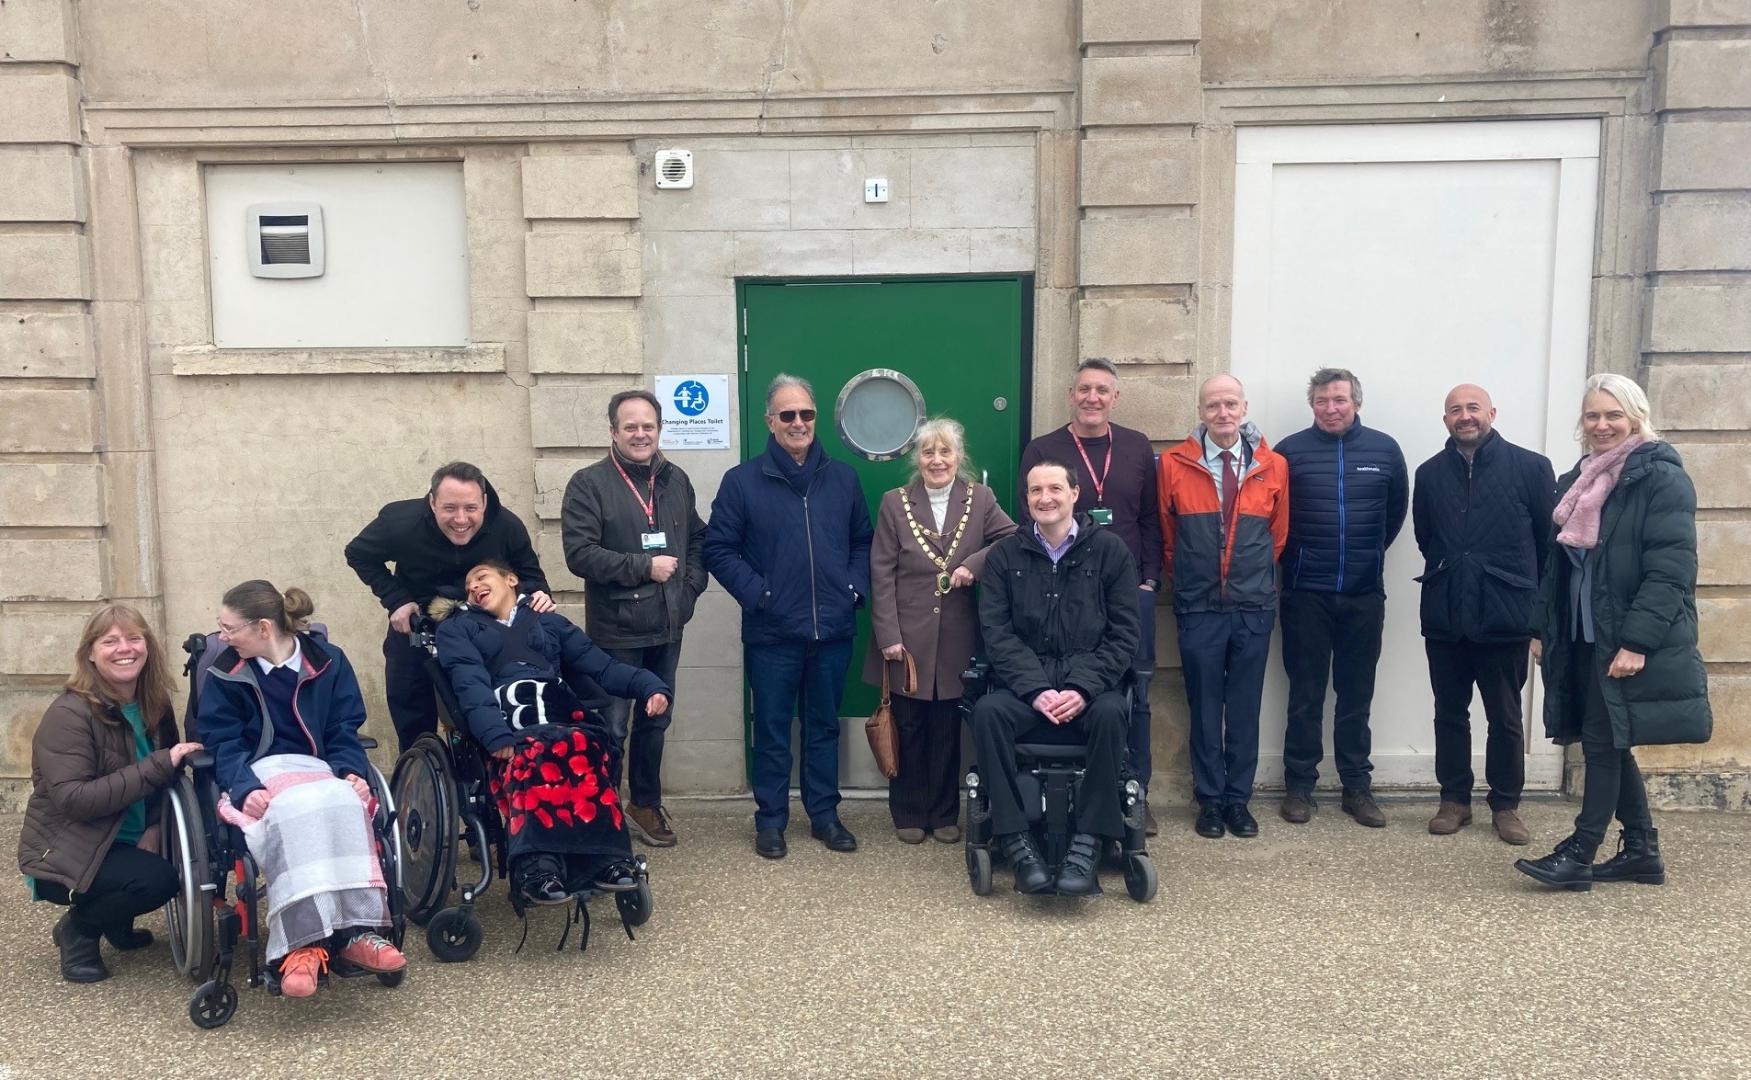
1481, 513
1348, 493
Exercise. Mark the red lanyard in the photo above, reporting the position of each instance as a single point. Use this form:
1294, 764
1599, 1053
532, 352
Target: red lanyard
649, 508
1100, 482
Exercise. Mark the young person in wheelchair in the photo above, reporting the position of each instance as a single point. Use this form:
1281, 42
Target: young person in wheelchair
1058, 610
516, 673
281, 712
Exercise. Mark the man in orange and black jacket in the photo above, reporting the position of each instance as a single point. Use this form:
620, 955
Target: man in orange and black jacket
1224, 503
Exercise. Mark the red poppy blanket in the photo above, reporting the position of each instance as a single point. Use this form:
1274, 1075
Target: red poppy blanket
556, 794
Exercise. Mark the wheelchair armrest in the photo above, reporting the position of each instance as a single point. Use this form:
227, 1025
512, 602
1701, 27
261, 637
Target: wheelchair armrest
200, 761
367, 742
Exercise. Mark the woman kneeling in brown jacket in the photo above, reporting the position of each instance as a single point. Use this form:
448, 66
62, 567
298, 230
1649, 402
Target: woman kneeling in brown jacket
104, 751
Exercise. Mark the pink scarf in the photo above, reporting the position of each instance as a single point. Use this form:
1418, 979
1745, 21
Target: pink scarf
1578, 512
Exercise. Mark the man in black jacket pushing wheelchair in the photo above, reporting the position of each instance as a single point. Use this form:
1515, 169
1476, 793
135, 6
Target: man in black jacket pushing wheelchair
1058, 610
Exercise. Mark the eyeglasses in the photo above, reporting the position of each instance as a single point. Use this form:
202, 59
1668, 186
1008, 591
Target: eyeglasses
233, 631
789, 416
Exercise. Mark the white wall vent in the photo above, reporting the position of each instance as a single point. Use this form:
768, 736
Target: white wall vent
674, 168
285, 239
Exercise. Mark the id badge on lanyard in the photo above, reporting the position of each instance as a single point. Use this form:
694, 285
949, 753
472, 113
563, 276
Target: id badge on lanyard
654, 541
1098, 514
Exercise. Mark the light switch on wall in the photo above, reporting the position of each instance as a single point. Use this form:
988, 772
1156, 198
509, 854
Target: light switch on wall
875, 189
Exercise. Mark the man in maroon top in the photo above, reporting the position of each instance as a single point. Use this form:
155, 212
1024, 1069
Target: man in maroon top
1115, 469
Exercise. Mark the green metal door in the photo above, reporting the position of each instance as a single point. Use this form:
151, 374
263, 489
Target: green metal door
965, 343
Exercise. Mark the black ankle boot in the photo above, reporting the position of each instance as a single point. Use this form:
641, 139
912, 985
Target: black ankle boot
1024, 859
1570, 867
1079, 875
81, 955
1637, 859
127, 938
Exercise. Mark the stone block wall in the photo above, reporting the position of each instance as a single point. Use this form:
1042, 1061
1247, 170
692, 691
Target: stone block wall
1139, 192
54, 430
1696, 355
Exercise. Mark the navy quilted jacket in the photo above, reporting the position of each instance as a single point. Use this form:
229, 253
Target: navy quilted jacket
1483, 527
791, 544
1348, 495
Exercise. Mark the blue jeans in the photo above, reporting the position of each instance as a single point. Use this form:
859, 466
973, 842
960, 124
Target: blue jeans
806, 680
1137, 751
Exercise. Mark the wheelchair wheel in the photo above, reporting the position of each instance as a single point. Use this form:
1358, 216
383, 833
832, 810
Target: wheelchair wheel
213, 1005
188, 914
979, 870
636, 906
426, 827
454, 934
1140, 879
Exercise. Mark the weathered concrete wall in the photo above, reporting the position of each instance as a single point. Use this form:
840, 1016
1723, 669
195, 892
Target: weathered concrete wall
1291, 40
217, 52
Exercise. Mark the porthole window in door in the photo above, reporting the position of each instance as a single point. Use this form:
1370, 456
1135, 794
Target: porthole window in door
878, 413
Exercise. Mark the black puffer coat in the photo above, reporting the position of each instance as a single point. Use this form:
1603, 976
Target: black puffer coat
1053, 627
1483, 527
1644, 600
603, 525
426, 561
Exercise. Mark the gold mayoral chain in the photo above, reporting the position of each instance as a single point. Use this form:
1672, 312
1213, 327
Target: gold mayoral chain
944, 581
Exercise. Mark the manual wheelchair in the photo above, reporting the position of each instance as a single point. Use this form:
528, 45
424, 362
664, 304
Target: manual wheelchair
445, 795
208, 928
1050, 775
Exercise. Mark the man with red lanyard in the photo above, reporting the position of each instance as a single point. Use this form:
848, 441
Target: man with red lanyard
631, 528
1115, 468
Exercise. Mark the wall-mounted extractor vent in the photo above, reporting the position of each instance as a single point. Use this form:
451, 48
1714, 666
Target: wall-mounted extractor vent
285, 240
674, 168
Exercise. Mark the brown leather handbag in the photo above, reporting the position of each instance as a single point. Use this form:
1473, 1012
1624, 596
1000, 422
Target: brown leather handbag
884, 741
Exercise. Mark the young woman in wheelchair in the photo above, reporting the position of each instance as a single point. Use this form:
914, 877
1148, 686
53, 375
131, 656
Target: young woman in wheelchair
105, 750
281, 712
552, 771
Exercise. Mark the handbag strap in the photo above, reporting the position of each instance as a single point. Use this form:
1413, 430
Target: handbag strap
911, 684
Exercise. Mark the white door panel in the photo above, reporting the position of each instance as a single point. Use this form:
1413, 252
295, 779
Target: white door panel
1419, 256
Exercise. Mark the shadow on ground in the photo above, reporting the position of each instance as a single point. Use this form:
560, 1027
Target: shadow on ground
1316, 950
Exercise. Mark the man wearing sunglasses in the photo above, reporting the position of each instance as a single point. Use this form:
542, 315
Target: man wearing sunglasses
789, 539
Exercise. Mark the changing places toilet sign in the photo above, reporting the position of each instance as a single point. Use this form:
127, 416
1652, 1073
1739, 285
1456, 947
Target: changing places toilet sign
696, 411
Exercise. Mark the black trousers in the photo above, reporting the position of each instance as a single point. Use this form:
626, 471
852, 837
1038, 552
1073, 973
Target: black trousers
1000, 720
641, 735
1499, 673
413, 703
1330, 639
129, 883
926, 794
1613, 780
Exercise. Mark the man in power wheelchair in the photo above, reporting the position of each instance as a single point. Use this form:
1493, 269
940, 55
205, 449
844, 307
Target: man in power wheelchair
526, 762
1058, 613
282, 799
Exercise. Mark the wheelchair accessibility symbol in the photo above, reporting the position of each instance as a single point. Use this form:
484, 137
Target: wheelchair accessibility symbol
691, 398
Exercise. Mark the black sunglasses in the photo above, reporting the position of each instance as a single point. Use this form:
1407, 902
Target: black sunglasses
789, 416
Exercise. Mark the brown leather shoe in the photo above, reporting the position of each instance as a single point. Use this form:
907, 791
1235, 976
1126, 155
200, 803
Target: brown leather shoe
947, 834
910, 836
650, 824
1510, 828
1450, 819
